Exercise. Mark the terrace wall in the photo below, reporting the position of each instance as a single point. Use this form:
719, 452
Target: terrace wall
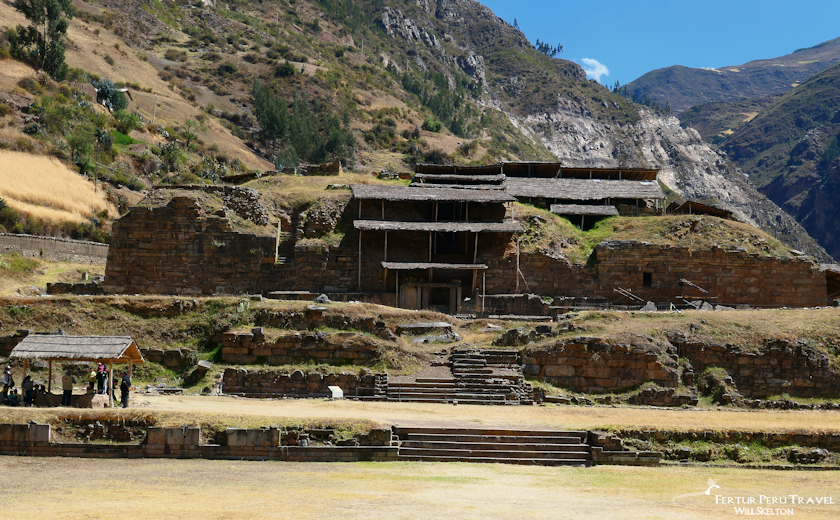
54, 249
273, 383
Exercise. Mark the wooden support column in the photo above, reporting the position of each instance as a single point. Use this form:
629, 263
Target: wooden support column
483, 289
111, 382
383, 209
49, 376
386, 246
517, 265
430, 275
436, 211
430, 247
131, 369
397, 304
359, 286
467, 211
360, 208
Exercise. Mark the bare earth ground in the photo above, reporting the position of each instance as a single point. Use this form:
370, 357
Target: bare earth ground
188, 489
92, 488
537, 417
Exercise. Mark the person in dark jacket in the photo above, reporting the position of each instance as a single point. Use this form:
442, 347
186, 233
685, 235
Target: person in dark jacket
125, 385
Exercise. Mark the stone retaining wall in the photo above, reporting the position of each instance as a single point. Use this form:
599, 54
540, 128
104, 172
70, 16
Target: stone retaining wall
54, 249
272, 383
343, 348
34, 440
778, 367
826, 440
597, 365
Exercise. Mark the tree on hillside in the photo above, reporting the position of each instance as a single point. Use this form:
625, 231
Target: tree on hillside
41, 42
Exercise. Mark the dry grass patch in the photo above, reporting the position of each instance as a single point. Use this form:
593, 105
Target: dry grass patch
45, 188
44, 488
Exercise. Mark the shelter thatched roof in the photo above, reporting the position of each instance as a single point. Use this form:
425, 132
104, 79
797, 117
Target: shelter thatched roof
405, 193
118, 349
691, 207
459, 177
582, 209
582, 189
440, 227
437, 169
499, 186
407, 266
550, 170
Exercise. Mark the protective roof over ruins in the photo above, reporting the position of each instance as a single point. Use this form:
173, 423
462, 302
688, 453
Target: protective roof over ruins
583, 189
583, 209
414, 194
440, 227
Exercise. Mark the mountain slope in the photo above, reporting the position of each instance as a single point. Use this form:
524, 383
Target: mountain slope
789, 148
414, 81
684, 87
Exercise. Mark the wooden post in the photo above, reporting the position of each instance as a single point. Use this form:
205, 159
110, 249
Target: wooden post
517, 265
430, 247
436, 211
49, 377
130, 368
467, 210
360, 208
475, 249
383, 209
483, 289
359, 287
397, 304
386, 246
111, 382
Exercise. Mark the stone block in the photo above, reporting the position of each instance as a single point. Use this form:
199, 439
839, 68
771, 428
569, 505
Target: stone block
156, 435
237, 437
39, 433
6, 432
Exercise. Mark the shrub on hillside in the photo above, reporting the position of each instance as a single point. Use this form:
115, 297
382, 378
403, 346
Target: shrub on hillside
126, 122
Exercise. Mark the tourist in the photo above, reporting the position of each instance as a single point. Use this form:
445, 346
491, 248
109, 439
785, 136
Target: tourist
101, 377
125, 385
28, 390
67, 382
92, 379
8, 382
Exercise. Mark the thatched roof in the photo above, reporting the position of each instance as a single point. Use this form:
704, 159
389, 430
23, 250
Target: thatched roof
582, 209
582, 189
440, 227
691, 207
405, 193
499, 186
427, 177
437, 169
549, 170
407, 266
118, 349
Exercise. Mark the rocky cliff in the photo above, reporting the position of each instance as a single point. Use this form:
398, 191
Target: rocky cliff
581, 122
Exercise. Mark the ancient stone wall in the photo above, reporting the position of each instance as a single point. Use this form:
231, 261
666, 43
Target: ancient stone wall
655, 273
778, 367
343, 348
272, 383
54, 249
178, 250
599, 366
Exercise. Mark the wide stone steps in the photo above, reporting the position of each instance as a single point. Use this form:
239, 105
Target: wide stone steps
538, 447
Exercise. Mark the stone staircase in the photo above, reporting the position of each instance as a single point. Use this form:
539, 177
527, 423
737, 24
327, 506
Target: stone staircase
478, 377
535, 447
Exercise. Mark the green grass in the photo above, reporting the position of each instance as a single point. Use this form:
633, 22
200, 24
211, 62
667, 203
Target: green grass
121, 139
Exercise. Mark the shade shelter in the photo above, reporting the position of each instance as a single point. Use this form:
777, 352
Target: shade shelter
58, 347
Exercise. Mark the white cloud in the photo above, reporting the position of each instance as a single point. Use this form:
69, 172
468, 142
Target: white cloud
594, 69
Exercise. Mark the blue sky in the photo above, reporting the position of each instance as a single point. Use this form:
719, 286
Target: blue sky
629, 38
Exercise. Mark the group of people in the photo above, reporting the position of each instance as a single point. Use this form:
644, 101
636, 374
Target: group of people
99, 377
